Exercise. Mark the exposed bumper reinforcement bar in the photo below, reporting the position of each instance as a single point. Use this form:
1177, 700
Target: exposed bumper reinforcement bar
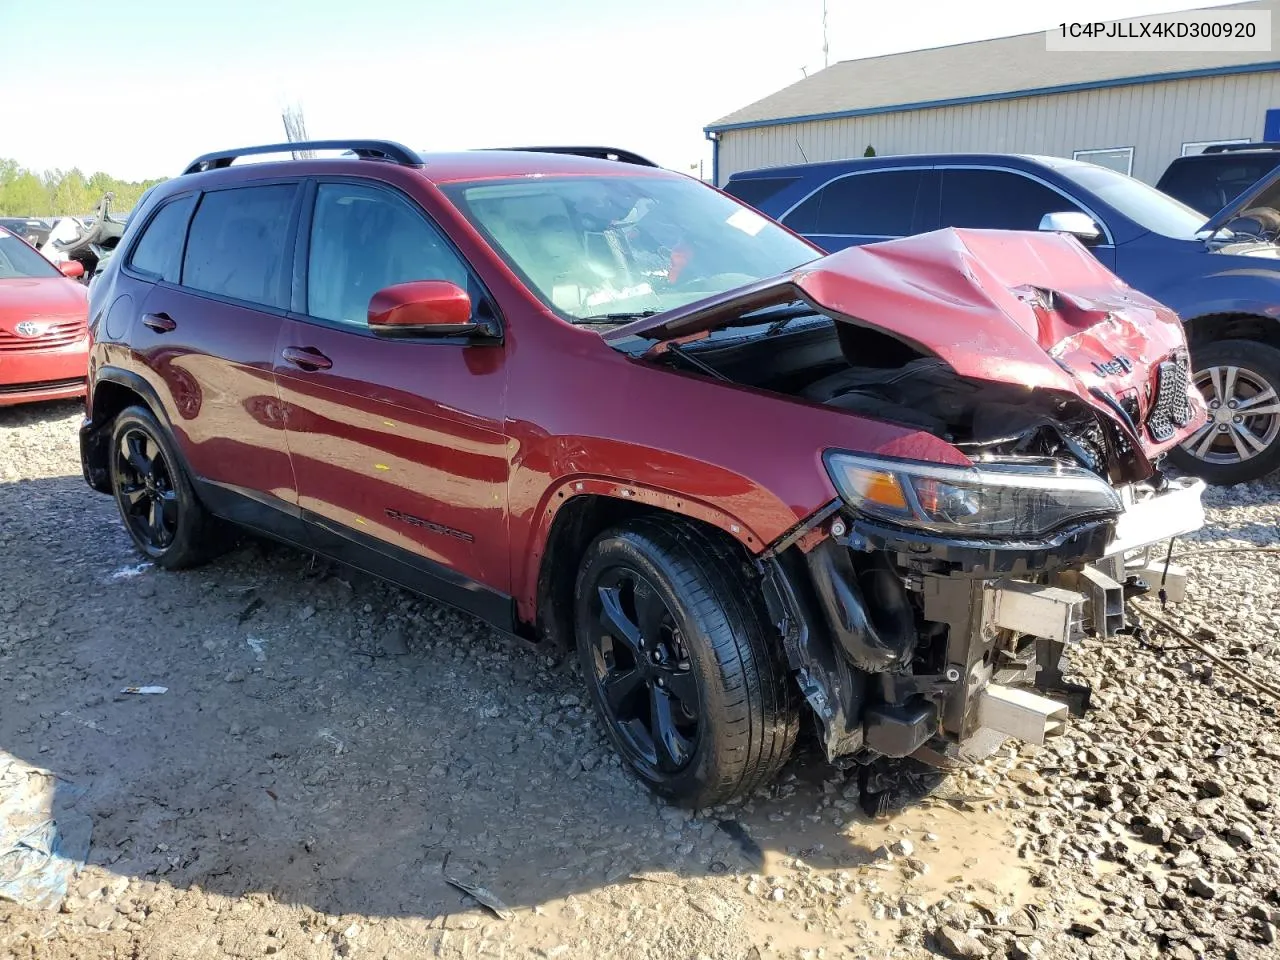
1016, 712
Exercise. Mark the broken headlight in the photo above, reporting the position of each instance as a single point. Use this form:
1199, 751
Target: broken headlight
991, 499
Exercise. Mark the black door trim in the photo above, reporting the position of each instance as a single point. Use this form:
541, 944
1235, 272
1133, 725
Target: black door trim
411, 571
284, 521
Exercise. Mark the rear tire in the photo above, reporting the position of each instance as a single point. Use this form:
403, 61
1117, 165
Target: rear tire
683, 666
1245, 373
158, 506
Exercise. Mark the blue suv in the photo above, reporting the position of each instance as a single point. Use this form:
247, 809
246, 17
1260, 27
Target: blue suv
1222, 275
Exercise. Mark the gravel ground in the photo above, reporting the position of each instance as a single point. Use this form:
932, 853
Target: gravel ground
331, 752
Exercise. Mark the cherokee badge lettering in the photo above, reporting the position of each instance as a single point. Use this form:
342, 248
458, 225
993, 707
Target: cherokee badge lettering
428, 525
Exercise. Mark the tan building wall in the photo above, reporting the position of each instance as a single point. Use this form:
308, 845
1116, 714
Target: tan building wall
1156, 119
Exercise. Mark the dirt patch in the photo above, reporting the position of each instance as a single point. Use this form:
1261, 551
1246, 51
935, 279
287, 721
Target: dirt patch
331, 750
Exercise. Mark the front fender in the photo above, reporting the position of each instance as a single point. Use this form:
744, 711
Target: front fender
1237, 290
753, 501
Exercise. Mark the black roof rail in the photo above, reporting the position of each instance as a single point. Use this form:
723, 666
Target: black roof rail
365, 149
1233, 147
599, 153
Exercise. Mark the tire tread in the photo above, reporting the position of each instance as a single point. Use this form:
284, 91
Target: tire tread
761, 718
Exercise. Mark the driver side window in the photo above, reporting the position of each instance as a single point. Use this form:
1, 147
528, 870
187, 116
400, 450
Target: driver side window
997, 200
364, 239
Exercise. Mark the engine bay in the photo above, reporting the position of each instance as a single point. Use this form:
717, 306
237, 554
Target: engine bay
871, 374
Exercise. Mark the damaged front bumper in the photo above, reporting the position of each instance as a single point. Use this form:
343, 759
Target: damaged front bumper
906, 643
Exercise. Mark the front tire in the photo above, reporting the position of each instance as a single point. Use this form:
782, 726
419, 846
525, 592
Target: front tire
158, 506
682, 664
1240, 381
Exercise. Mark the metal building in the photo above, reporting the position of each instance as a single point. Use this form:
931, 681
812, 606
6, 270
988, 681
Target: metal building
1133, 112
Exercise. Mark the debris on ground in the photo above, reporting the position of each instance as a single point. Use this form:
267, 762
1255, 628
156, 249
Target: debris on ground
43, 840
485, 898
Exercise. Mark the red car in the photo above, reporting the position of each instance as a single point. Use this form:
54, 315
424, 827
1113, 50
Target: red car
44, 326
600, 404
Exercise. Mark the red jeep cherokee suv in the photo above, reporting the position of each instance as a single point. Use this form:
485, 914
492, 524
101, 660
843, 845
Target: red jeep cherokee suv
598, 403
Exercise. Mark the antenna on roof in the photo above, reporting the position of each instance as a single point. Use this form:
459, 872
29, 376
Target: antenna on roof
825, 61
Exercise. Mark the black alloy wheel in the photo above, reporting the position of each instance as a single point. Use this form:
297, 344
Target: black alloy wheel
148, 501
643, 674
165, 519
685, 670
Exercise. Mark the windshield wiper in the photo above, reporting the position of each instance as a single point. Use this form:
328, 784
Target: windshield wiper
777, 316
618, 317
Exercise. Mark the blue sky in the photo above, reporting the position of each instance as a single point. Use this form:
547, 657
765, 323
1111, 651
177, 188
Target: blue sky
180, 79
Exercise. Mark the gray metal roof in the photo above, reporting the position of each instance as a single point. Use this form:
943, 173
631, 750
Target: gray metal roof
983, 69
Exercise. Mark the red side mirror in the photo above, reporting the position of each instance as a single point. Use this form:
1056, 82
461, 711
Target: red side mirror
72, 269
430, 308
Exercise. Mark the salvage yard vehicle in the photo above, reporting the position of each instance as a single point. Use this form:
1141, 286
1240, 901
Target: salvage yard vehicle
604, 405
88, 241
1209, 181
34, 230
44, 326
1221, 274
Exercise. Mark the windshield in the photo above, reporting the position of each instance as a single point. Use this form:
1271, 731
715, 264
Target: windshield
611, 247
19, 260
1146, 206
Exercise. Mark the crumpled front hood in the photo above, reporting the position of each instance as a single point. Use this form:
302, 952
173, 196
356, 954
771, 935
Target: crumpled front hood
1031, 309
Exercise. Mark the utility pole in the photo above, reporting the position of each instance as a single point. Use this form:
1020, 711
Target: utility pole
295, 129
826, 62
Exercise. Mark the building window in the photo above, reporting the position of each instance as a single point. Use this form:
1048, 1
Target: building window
1197, 146
1116, 158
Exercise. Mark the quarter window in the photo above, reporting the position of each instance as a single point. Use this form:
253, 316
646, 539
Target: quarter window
237, 244
159, 249
364, 239
756, 191
997, 200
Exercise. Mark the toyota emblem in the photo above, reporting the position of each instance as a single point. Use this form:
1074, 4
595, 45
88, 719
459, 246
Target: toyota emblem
28, 328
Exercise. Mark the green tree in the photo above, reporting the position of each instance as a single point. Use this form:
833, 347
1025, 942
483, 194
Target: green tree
25, 196
99, 184
57, 193
869, 152
71, 194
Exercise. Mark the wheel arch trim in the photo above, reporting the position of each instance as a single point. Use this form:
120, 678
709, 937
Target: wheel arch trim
94, 437
574, 489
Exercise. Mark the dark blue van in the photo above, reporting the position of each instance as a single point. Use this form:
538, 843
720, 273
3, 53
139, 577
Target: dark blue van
1222, 275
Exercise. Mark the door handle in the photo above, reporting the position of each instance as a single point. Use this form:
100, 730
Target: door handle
307, 358
159, 322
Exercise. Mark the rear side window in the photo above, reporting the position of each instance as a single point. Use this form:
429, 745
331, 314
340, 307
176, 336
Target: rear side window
757, 191
997, 200
159, 249
236, 247
880, 204
364, 239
